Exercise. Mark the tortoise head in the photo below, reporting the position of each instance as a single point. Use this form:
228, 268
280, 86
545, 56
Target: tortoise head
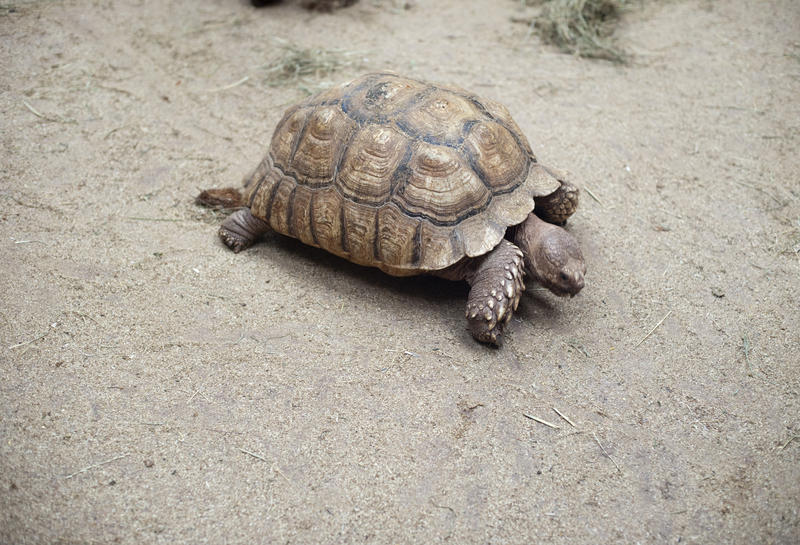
558, 263
552, 256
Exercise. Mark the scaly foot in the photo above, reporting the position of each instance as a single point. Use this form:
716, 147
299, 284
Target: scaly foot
241, 229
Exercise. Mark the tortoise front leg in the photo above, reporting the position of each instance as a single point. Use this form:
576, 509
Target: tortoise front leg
496, 281
559, 205
241, 229
497, 284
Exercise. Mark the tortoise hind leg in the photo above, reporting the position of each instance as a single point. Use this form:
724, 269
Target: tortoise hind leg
559, 205
241, 229
497, 285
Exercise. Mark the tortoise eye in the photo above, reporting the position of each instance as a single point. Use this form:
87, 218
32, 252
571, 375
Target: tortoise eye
563, 277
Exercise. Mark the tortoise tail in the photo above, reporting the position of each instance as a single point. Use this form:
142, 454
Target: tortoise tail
221, 199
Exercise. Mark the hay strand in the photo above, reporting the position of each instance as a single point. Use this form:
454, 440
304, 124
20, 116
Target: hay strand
540, 421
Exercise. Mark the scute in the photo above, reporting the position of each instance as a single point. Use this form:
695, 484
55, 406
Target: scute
496, 156
480, 234
360, 232
440, 118
281, 208
501, 114
397, 244
380, 96
326, 220
370, 163
260, 197
439, 249
300, 220
323, 141
398, 174
440, 187
286, 134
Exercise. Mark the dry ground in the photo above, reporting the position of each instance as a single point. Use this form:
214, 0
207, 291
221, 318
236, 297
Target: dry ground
157, 388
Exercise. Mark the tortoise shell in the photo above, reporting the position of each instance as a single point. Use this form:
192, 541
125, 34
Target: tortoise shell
398, 174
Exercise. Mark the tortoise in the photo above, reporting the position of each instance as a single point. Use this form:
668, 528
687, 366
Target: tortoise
414, 178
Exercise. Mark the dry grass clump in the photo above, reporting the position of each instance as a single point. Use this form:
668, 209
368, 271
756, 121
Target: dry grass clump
296, 63
581, 27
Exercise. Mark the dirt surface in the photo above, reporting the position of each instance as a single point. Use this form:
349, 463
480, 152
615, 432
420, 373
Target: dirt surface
157, 388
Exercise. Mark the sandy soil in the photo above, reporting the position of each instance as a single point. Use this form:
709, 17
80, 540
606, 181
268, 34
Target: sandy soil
157, 388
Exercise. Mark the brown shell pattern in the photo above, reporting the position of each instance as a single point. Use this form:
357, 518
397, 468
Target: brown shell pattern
398, 174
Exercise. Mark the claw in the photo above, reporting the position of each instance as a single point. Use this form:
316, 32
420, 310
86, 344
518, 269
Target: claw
501, 310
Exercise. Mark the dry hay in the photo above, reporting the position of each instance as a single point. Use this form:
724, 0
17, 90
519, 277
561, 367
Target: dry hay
295, 63
581, 27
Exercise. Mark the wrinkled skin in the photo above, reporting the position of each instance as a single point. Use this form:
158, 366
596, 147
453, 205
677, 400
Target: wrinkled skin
552, 256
